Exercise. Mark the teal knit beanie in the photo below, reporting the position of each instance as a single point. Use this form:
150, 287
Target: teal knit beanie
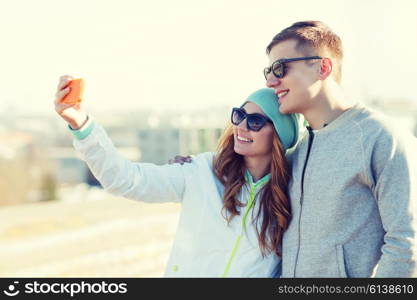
286, 126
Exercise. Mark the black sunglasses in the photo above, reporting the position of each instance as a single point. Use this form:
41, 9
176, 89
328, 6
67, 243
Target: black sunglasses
279, 68
254, 122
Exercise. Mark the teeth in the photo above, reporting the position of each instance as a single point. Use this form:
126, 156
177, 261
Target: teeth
282, 94
243, 139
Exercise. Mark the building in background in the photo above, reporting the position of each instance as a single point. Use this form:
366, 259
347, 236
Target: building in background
26, 173
158, 145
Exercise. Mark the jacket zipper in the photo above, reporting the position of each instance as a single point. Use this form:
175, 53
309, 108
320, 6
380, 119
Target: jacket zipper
310, 143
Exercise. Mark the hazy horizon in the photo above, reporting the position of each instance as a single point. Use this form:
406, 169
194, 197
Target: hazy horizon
190, 54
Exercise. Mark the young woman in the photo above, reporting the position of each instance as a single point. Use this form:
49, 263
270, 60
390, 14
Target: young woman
234, 203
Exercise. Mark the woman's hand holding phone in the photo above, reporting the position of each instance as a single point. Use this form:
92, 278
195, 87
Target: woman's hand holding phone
68, 101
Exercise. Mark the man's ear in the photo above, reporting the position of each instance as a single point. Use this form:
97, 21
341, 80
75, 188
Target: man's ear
326, 68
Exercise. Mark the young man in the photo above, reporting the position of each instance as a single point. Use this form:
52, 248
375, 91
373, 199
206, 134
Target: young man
354, 179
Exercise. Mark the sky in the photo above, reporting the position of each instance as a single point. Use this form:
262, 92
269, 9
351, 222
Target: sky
189, 54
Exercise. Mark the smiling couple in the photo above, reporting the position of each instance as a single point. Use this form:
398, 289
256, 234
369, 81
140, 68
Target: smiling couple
338, 200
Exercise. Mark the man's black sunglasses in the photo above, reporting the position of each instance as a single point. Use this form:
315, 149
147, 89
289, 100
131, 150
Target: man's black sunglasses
254, 122
279, 68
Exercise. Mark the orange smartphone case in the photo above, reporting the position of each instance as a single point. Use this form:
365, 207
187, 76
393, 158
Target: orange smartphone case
76, 93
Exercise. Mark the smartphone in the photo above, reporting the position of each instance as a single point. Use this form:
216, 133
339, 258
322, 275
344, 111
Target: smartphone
75, 95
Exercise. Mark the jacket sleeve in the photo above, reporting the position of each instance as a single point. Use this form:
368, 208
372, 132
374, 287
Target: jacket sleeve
121, 177
393, 168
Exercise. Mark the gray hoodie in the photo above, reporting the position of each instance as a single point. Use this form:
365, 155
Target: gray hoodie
354, 200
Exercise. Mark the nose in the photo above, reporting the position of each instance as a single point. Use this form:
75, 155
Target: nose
242, 126
272, 81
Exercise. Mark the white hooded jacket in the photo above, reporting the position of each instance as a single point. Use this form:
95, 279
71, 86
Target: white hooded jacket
205, 244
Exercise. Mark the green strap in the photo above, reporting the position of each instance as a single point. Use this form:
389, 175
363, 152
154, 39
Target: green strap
254, 187
229, 263
237, 243
250, 204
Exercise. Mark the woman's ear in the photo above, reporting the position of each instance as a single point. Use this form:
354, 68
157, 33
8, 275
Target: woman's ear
326, 68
